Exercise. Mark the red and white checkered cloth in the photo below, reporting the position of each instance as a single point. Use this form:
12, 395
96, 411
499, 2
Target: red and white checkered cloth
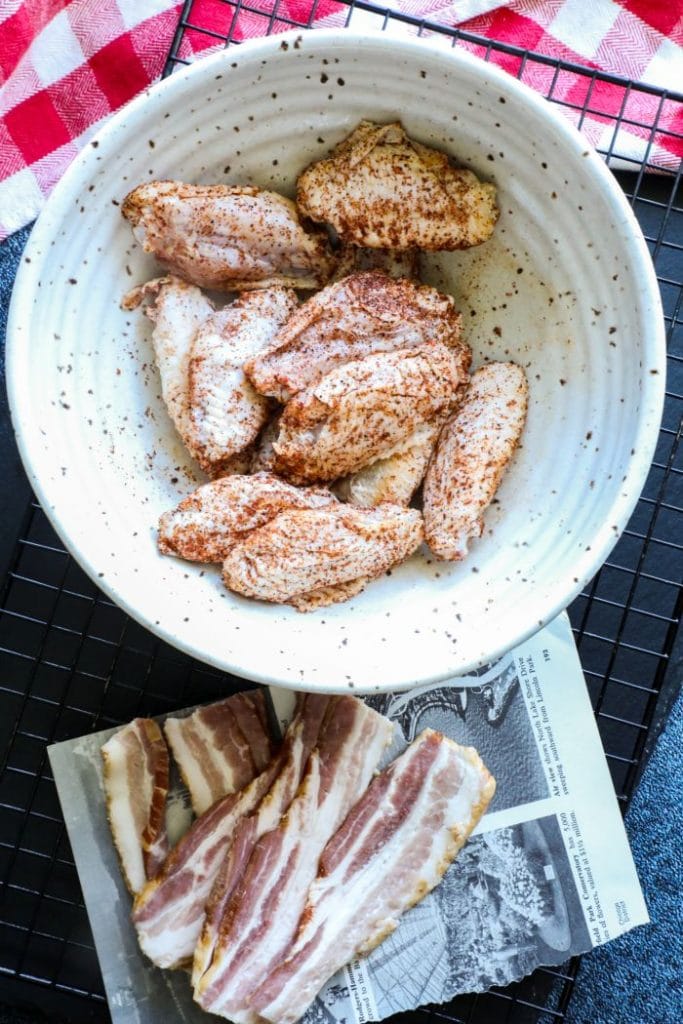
66, 65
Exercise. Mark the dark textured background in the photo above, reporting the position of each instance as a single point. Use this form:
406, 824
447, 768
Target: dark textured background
14, 490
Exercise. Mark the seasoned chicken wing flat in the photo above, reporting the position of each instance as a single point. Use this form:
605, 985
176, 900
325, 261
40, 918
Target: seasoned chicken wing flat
239, 463
326, 596
395, 478
394, 262
380, 189
361, 411
302, 551
473, 450
263, 459
364, 313
227, 236
225, 412
211, 520
176, 309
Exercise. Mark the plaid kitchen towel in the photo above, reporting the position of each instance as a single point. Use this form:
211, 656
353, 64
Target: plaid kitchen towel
66, 65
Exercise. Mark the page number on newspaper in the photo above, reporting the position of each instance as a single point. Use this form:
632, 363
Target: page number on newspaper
622, 912
546, 655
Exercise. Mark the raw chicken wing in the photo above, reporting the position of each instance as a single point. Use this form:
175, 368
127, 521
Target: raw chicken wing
361, 411
364, 313
394, 262
225, 412
228, 237
263, 459
239, 463
382, 190
395, 478
302, 551
473, 450
209, 522
326, 596
176, 309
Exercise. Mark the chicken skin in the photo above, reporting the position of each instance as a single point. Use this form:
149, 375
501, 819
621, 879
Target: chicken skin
177, 310
396, 478
364, 313
210, 521
303, 551
263, 459
380, 189
225, 412
396, 263
473, 450
362, 410
199, 353
228, 237
325, 596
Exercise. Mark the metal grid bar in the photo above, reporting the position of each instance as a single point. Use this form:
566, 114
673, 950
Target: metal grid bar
72, 662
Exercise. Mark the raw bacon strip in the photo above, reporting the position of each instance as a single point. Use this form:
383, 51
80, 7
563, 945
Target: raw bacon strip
136, 786
393, 848
250, 713
169, 912
261, 918
220, 748
300, 739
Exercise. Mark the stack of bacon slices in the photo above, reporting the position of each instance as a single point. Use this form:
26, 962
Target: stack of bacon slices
282, 877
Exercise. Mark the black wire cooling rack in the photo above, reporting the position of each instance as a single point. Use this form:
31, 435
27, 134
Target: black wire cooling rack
72, 662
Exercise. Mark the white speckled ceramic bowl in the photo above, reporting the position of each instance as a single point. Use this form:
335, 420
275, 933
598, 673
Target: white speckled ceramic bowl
565, 287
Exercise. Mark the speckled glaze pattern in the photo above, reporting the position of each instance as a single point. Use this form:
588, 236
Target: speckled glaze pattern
565, 287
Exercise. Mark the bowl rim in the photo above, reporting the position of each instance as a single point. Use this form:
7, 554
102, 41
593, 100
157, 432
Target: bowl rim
653, 383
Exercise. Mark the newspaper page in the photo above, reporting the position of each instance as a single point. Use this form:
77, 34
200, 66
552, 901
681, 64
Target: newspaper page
547, 874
